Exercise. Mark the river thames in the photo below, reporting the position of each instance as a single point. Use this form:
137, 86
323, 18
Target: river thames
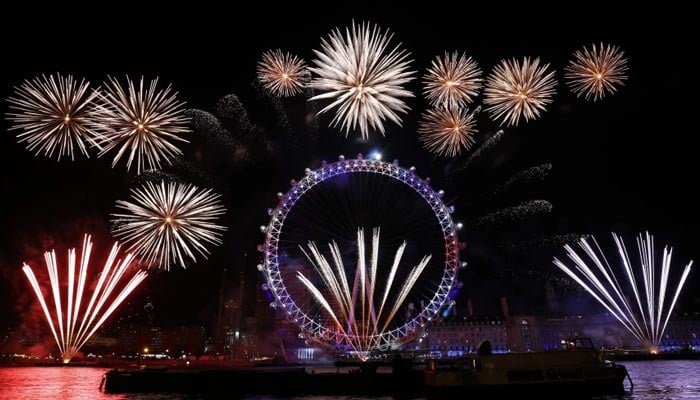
652, 380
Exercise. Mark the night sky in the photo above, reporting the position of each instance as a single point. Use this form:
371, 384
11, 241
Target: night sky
625, 164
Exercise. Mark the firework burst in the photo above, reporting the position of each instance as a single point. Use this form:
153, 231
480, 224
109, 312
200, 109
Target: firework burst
452, 81
283, 74
648, 316
363, 77
516, 90
53, 114
73, 326
447, 131
143, 122
359, 318
166, 223
596, 72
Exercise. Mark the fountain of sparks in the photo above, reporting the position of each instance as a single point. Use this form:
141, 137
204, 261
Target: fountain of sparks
647, 315
73, 325
356, 314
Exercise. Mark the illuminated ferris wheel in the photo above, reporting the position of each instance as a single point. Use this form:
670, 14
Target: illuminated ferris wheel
337, 289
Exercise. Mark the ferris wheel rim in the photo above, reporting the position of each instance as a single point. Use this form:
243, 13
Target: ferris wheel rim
278, 215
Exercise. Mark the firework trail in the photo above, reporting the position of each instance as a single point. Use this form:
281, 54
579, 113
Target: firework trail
452, 81
645, 310
167, 222
282, 74
141, 122
482, 150
358, 314
516, 90
525, 177
231, 109
550, 242
75, 323
363, 78
207, 124
154, 176
53, 115
514, 214
596, 72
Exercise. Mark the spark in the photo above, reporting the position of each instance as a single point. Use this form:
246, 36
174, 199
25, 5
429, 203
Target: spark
356, 315
141, 122
72, 328
447, 131
363, 77
596, 72
168, 221
516, 90
53, 115
283, 74
452, 81
648, 318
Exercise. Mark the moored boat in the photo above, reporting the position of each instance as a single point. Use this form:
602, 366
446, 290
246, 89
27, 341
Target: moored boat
578, 369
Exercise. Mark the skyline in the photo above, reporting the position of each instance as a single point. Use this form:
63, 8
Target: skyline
603, 154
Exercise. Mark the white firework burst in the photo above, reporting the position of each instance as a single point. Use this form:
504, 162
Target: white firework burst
53, 114
167, 222
283, 74
645, 309
143, 122
359, 315
452, 81
596, 72
516, 90
446, 132
364, 78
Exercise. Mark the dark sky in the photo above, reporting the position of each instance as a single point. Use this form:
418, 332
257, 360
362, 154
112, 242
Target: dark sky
625, 164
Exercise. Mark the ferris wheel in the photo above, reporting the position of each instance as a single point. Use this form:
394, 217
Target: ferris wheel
340, 291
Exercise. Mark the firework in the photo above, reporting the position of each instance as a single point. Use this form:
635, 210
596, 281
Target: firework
516, 90
363, 78
168, 221
597, 72
647, 319
452, 81
355, 313
53, 115
283, 74
73, 325
447, 131
143, 122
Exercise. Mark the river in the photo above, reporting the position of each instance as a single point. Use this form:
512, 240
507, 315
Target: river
652, 380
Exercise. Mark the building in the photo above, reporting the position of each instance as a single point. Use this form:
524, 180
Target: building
460, 336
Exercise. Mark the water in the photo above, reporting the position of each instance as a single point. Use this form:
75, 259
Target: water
652, 380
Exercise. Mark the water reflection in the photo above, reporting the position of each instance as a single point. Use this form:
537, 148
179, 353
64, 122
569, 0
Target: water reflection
652, 380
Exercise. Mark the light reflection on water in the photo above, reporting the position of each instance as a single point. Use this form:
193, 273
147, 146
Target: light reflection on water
652, 380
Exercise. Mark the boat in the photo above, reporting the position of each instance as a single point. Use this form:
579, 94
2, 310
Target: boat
578, 369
